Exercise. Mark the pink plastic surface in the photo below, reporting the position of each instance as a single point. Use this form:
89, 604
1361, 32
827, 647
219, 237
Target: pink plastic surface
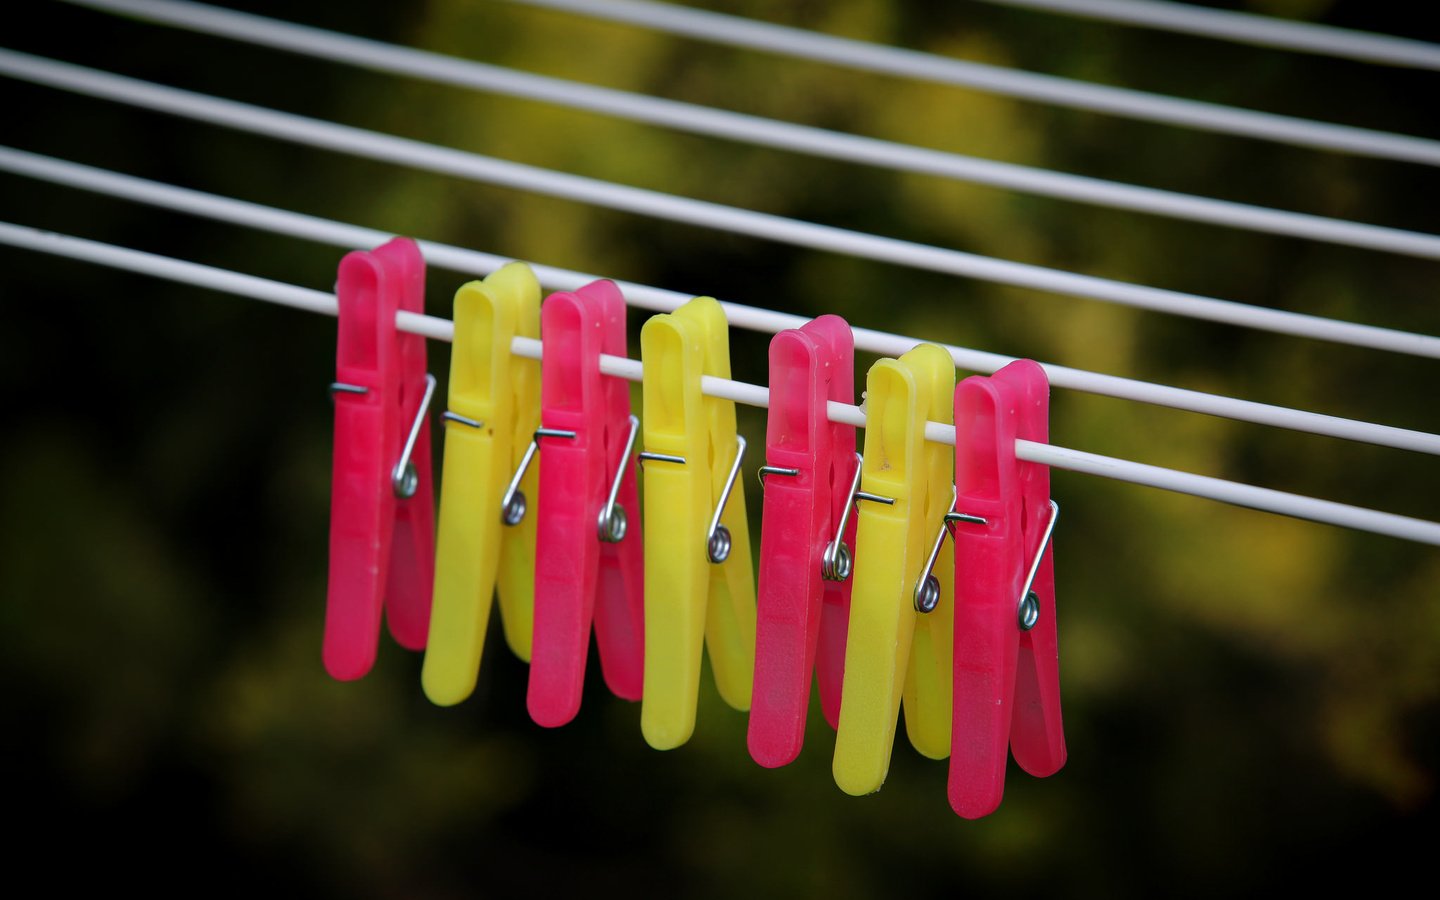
382, 549
578, 577
797, 610
1007, 681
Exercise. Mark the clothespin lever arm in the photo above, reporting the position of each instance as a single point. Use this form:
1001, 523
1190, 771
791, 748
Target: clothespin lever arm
836, 563
403, 478
449, 416
612, 522
717, 536
1028, 604
775, 470
513, 504
927, 587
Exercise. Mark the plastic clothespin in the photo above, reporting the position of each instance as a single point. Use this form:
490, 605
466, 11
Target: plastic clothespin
588, 563
699, 584
1007, 670
494, 408
906, 492
382, 505
805, 539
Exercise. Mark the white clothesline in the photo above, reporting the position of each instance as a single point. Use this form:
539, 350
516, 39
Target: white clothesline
476, 167
1247, 28
473, 262
861, 55
1297, 506
397, 60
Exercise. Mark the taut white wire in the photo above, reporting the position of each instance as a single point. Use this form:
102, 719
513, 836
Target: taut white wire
740, 392
1247, 28
339, 234
864, 56
396, 60
448, 161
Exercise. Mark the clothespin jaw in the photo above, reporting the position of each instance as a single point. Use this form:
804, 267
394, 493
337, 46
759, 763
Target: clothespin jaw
382, 506
588, 559
699, 584
1006, 674
494, 403
809, 464
896, 530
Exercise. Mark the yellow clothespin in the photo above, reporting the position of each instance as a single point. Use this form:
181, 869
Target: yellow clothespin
484, 540
906, 490
699, 578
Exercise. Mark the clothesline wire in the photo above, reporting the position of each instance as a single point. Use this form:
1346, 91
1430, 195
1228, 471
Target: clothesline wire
1247, 28
799, 43
1234, 493
476, 167
473, 262
397, 60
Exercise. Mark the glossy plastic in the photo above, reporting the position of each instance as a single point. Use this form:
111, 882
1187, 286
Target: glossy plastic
382, 549
1006, 681
797, 610
690, 602
475, 551
892, 544
580, 579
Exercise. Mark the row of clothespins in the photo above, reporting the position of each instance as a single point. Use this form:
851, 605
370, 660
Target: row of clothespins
540, 504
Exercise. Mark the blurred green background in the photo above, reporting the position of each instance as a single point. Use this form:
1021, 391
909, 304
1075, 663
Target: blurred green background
1250, 701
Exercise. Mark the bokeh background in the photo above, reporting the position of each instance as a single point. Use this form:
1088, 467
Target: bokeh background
1250, 701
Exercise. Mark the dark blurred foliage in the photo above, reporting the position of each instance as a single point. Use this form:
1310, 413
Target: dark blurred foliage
1251, 701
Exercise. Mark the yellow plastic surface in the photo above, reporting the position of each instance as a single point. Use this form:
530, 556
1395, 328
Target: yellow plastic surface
473, 548
892, 544
515, 581
689, 602
930, 678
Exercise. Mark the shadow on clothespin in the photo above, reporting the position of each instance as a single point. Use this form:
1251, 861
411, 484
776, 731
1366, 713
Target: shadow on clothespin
382, 505
494, 408
807, 532
1007, 671
699, 584
905, 491
588, 563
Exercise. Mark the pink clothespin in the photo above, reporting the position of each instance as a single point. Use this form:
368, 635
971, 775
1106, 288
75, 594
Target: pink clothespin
588, 562
382, 502
806, 535
1007, 672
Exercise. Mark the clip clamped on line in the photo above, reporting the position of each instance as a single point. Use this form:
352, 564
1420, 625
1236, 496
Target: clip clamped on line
699, 584
382, 505
907, 483
1007, 665
494, 407
588, 564
805, 538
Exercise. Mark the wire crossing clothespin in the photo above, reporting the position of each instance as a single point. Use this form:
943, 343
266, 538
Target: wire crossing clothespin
382, 505
905, 489
494, 407
1007, 670
699, 584
588, 563
806, 537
